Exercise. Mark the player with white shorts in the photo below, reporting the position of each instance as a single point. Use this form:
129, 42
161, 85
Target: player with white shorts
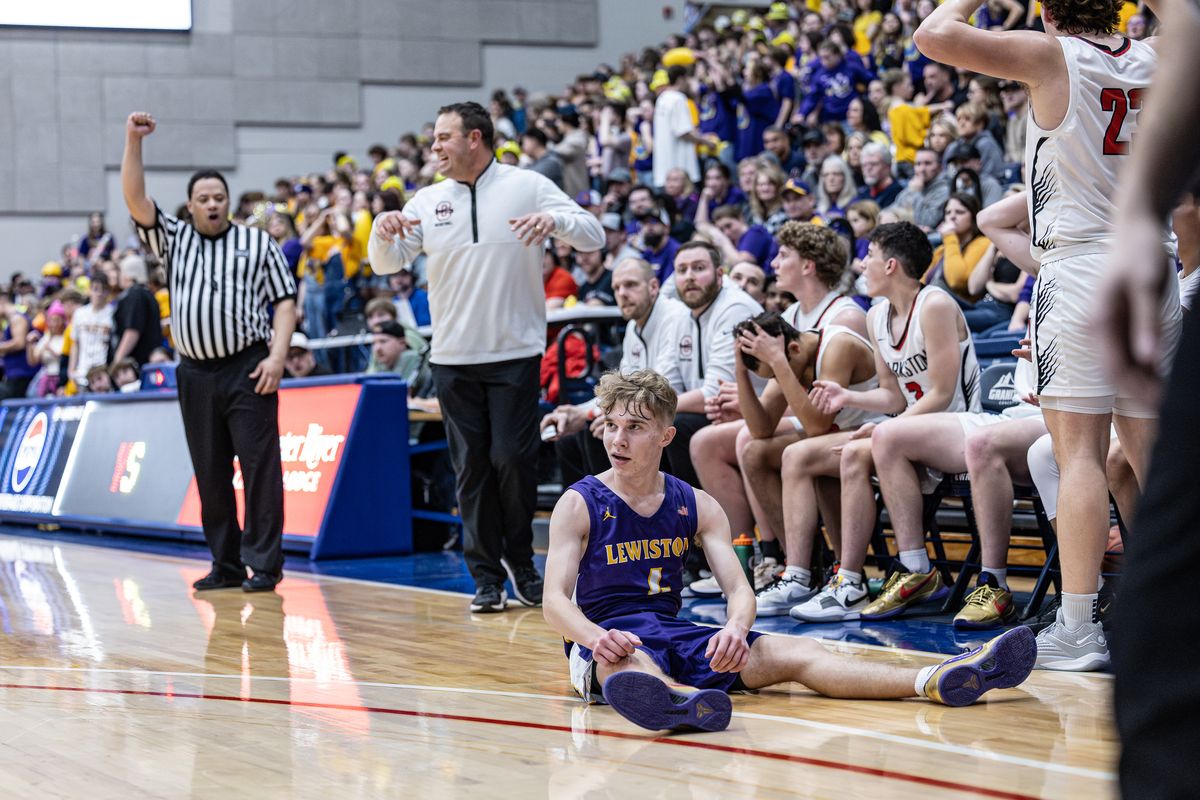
1086, 86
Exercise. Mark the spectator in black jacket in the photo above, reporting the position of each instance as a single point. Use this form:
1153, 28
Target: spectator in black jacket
137, 325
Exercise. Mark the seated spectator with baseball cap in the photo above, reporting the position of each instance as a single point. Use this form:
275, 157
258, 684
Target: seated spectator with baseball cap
591, 200
653, 243
799, 203
300, 362
509, 153
390, 353
965, 160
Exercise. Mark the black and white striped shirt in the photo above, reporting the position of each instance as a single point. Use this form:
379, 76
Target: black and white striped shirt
220, 286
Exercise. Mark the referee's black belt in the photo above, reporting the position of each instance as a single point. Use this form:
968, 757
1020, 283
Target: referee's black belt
258, 348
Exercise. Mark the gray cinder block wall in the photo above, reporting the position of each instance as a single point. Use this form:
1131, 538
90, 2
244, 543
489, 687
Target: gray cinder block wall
261, 88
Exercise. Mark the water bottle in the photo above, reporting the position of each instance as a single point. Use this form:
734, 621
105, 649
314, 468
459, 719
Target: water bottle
743, 546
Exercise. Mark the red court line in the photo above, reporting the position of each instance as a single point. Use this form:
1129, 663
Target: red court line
981, 791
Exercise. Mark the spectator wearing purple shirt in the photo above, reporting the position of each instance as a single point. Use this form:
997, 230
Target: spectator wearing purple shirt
757, 108
654, 244
716, 99
742, 242
834, 84
719, 189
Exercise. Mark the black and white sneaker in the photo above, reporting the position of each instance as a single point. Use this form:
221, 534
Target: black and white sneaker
526, 583
489, 600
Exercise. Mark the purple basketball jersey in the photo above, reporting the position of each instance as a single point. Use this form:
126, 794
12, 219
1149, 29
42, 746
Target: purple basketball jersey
633, 563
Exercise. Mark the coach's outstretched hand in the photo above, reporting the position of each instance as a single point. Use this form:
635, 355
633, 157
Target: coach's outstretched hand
395, 223
533, 229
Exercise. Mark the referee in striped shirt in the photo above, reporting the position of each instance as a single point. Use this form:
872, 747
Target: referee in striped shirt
223, 280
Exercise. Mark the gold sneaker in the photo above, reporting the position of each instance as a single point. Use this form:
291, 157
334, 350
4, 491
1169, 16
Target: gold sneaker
766, 572
904, 589
986, 607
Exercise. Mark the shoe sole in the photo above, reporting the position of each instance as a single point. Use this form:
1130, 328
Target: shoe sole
940, 594
247, 587
705, 594
782, 609
218, 586
984, 625
492, 609
773, 611
1089, 663
1002, 663
487, 609
849, 616
649, 702
520, 598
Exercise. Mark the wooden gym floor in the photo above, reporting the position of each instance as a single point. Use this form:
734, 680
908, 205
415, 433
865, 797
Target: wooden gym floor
117, 681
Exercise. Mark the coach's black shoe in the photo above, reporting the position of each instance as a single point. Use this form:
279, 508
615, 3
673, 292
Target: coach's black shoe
526, 583
489, 599
218, 580
261, 582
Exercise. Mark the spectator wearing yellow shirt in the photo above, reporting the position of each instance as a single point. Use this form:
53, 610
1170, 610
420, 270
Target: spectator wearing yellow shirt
963, 245
908, 122
866, 24
328, 246
158, 285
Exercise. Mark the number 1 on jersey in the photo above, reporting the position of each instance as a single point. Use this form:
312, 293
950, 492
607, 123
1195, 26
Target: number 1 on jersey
654, 579
1119, 104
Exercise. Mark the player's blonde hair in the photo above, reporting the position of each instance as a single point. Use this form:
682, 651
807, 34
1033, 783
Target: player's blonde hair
643, 392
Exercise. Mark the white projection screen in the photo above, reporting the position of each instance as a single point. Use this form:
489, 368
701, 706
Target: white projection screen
154, 15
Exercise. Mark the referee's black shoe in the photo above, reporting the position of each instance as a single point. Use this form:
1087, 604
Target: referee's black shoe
218, 580
261, 582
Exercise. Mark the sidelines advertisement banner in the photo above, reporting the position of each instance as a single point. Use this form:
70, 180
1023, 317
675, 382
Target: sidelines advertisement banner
314, 424
130, 462
35, 442
123, 464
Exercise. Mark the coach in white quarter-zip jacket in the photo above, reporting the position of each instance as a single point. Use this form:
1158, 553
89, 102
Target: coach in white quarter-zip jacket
482, 231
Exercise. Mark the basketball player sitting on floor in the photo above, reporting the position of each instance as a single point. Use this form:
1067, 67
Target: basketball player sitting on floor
614, 575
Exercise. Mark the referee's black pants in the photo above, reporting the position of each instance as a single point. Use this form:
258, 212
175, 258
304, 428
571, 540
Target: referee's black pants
223, 417
491, 417
1156, 644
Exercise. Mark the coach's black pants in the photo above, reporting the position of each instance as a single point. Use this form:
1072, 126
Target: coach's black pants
223, 418
1156, 646
580, 454
491, 417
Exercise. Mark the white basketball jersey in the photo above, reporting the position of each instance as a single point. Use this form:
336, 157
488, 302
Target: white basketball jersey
830, 308
848, 418
1073, 169
909, 362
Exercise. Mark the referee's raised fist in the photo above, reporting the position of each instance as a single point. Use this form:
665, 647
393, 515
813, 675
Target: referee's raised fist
394, 223
139, 124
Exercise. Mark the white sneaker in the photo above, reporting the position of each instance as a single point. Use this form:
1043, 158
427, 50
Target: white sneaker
705, 587
1082, 650
766, 572
837, 602
778, 598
